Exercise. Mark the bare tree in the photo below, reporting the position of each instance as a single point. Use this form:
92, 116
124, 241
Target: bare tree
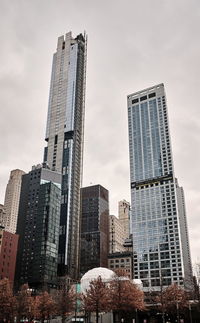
174, 300
65, 300
126, 296
97, 298
45, 306
24, 303
7, 301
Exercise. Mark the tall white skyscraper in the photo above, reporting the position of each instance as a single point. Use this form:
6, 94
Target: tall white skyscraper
64, 136
156, 221
11, 202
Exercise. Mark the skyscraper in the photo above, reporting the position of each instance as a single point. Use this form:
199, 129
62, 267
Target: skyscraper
11, 202
156, 228
64, 136
94, 227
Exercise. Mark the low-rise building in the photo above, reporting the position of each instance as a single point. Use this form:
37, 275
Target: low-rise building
121, 260
8, 252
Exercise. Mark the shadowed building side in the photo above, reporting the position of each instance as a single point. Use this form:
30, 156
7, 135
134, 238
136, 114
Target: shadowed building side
38, 229
94, 228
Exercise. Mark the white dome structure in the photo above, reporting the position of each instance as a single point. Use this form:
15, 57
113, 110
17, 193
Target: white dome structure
138, 282
105, 274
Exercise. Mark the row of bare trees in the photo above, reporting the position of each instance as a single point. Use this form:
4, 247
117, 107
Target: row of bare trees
24, 305
120, 295
125, 299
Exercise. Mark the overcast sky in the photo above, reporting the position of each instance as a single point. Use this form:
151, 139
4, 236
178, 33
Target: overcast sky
131, 45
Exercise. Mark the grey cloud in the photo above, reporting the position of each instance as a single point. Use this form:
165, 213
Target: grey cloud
131, 45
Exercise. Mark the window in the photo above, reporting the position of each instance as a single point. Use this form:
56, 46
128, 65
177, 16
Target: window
143, 266
151, 95
134, 101
143, 98
154, 265
144, 274
154, 256
155, 273
145, 283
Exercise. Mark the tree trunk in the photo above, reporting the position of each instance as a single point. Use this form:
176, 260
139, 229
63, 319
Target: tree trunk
97, 316
113, 317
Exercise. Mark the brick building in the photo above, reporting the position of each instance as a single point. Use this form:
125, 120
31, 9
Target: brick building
8, 251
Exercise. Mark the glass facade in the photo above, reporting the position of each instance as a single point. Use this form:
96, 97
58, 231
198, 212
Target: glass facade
64, 136
38, 229
155, 220
94, 228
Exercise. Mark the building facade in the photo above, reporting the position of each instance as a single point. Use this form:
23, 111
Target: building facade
8, 253
38, 229
121, 261
124, 216
2, 215
11, 202
156, 227
64, 137
187, 263
94, 228
117, 235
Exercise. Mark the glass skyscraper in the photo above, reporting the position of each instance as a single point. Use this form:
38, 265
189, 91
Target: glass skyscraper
64, 136
158, 253
38, 229
94, 227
